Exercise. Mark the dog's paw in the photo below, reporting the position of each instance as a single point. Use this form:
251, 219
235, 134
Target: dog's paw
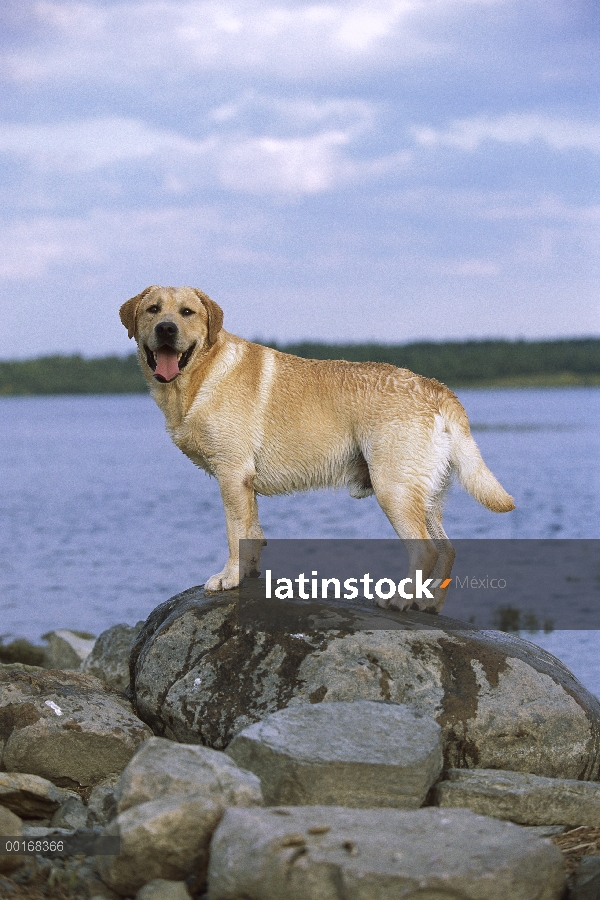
395, 602
432, 607
222, 582
384, 604
438, 605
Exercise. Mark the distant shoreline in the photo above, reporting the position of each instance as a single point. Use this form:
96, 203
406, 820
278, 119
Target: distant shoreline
466, 364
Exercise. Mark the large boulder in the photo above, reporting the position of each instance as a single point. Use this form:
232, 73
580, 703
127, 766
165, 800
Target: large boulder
64, 726
203, 669
318, 852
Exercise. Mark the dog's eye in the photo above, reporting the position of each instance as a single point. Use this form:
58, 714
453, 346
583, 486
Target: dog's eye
153, 309
186, 311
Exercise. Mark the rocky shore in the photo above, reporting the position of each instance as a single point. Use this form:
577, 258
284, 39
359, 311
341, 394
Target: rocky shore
304, 752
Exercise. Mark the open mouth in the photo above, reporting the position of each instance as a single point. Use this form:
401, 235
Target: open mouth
166, 363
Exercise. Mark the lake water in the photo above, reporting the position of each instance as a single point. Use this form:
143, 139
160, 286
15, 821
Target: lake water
102, 518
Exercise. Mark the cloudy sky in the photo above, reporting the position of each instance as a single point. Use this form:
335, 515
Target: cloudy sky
390, 170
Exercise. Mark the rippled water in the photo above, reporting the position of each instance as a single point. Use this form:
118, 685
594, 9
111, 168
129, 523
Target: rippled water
102, 517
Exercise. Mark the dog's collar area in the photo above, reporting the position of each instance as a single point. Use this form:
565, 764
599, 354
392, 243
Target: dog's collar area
182, 360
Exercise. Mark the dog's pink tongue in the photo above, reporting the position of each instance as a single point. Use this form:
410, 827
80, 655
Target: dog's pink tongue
166, 364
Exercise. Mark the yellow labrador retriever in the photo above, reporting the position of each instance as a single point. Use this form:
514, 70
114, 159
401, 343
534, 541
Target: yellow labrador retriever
265, 422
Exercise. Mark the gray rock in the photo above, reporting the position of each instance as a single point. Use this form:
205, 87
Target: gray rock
202, 674
159, 889
162, 769
7, 888
67, 649
30, 796
519, 797
72, 814
79, 877
10, 826
109, 659
318, 853
102, 802
585, 884
360, 754
65, 727
166, 838
25, 874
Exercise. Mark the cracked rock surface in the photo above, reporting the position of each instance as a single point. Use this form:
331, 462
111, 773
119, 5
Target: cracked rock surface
318, 853
520, 797
202, 671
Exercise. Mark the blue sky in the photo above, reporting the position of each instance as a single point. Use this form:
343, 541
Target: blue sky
393, 171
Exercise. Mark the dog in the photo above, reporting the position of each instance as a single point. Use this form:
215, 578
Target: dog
264, 422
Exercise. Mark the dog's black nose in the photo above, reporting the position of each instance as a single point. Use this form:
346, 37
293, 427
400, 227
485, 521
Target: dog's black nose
166, 331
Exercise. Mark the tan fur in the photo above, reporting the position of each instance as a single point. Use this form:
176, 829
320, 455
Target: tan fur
265, 422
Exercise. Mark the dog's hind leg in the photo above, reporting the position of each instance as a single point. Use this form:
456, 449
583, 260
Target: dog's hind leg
412, 475
406, 508
443, 567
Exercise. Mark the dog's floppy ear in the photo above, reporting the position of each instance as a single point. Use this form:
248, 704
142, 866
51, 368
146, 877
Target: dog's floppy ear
129, 310
215, 315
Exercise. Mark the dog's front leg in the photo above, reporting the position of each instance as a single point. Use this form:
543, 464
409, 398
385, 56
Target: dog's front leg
241, 520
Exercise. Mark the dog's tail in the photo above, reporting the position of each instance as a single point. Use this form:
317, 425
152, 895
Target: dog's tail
466, 459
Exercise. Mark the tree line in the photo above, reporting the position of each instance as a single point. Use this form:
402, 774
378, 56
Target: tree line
456, 363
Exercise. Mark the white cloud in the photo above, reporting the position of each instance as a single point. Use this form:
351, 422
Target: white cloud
307, 163
516, 128
93, 143
128, 40
35, 248
299, 114
294, 165
31, 248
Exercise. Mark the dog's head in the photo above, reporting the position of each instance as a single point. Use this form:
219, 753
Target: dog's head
171, 325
